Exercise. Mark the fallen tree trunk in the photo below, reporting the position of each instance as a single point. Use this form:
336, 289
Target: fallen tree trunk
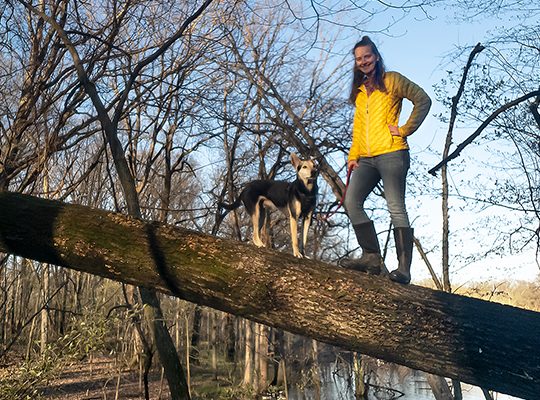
482, 343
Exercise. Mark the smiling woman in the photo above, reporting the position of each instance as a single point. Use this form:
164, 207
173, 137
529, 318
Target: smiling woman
380, 151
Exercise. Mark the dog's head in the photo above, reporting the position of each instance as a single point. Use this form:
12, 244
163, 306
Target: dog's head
306, 170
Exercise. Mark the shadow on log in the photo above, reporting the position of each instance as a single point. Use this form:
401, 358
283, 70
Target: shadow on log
486, 344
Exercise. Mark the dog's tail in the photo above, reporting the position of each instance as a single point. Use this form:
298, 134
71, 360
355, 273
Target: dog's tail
232, 206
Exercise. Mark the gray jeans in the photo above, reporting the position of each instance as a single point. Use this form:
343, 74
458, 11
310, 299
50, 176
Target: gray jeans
392, 169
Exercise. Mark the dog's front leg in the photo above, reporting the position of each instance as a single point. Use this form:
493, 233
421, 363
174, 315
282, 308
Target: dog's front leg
306, 223
294, 236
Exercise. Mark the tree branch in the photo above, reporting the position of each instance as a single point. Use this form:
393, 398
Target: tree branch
477, 132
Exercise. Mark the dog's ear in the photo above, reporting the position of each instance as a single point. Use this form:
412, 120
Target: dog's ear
295, 160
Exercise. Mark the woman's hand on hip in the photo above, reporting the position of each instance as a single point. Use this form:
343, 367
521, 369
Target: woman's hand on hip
394, 130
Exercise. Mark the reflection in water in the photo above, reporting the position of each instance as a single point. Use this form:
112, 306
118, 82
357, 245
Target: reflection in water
387, 382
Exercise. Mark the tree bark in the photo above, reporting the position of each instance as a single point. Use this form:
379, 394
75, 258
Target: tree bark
490, 345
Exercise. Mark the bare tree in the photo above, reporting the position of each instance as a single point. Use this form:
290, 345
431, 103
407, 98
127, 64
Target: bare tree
499, 100
36, 71
109, 125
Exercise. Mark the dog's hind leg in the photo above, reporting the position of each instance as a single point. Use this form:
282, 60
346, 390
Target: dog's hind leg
257, 219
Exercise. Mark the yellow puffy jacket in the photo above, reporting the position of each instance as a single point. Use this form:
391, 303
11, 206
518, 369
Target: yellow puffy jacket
371, 135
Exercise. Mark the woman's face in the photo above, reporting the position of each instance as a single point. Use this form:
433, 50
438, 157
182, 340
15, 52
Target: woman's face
365, 59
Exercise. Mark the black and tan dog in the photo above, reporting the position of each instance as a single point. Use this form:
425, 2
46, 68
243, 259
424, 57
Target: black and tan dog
296, 199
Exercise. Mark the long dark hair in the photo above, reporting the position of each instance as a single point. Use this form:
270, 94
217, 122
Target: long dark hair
359, 76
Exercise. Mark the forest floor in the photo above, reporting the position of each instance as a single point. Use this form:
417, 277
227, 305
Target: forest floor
99, 380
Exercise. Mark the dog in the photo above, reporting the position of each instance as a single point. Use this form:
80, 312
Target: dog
296, 199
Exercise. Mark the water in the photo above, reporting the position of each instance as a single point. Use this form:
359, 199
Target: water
389, 382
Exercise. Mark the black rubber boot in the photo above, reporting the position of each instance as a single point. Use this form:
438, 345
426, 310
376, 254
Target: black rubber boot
404, 247
371, 260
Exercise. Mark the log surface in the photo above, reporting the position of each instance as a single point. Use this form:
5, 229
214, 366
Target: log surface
482, 343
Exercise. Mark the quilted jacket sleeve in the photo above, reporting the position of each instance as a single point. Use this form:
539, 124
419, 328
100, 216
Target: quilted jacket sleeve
421, 103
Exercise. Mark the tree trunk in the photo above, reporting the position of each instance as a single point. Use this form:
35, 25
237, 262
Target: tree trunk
230, 354
278, 347
445, 208
256, 356
317, 384
439, 387
30, 335
45, 310
263, 358
359, 362
188, 373
195, 336
249, 356
490, 345
213, 344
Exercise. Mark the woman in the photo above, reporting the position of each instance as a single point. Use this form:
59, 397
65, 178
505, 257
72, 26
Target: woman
379, 151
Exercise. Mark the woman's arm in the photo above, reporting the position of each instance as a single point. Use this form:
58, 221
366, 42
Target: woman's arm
407, 89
